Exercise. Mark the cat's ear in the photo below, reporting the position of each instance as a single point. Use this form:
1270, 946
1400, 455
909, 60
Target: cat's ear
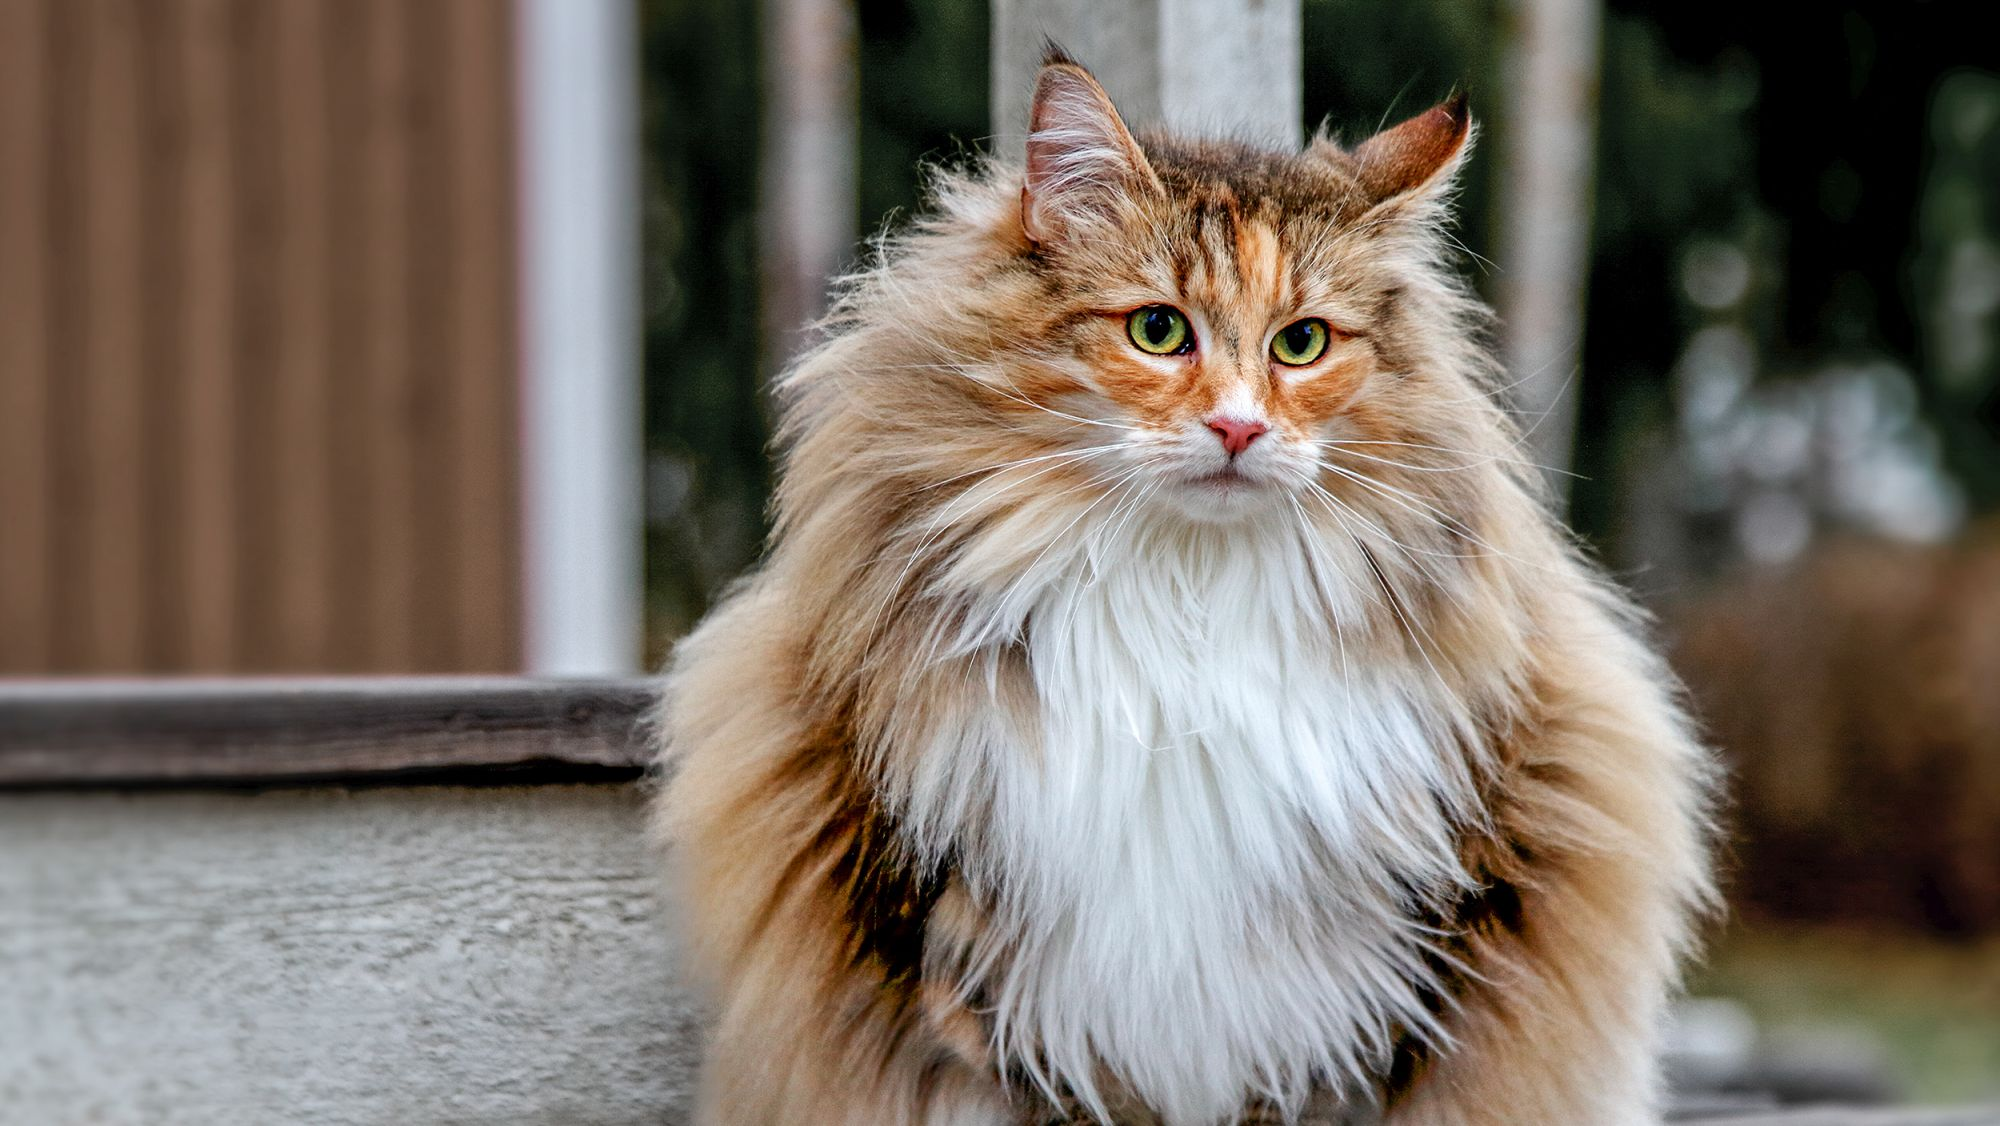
1418, 157
1081, 159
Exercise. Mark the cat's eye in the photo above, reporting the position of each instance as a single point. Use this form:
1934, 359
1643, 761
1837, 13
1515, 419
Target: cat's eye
1159, 329
1301, 342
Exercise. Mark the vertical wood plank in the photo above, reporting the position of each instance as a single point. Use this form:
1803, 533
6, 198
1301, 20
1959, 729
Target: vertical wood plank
435, 289
485, 332
64, 179
107, 607
384, 377
164, 109
252, 325
25, 508
807, 170
207, 448
348, 423
300, 560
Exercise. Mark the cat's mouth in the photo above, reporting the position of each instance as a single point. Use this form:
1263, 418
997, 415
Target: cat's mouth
1227, 479
1223, 495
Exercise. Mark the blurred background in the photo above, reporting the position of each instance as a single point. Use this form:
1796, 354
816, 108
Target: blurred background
403, 336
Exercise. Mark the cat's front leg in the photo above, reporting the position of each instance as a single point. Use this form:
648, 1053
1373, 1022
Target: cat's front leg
1326, 1107
762, 1073
1589, 882
1560, 1033
1503, 1074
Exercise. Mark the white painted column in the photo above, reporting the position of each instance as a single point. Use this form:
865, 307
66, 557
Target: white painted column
581, 417
1209, 67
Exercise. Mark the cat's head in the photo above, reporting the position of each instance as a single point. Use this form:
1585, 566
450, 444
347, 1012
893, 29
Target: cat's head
1218, 312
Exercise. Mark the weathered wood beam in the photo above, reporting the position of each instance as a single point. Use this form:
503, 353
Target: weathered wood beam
86, 734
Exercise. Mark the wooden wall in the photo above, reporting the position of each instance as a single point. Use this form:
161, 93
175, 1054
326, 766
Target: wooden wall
258, 355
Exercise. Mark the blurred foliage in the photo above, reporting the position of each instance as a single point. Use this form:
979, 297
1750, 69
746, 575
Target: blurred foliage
1846, 151
923, 99
1958, 274
1369, 64
924, 96
705, 426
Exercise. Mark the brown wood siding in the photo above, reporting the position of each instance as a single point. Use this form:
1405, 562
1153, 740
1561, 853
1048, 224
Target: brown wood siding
258, 336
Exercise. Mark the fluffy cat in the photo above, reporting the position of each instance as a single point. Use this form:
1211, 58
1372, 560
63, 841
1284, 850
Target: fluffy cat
1166, 698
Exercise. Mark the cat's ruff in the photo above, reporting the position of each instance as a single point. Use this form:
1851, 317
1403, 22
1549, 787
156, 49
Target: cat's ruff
1202, 859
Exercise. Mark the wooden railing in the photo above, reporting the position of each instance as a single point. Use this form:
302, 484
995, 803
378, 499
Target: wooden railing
233, 733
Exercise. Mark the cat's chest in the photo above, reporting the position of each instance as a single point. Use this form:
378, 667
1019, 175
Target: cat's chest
1214, 720
1200, 855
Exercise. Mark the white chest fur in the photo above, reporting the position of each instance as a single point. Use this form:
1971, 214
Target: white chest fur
1199, 864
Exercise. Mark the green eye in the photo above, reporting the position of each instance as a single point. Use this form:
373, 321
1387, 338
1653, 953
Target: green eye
1159, 329
1300, 342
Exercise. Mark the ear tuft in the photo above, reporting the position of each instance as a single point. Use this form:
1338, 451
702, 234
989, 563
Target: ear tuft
1418, 155
1081, 158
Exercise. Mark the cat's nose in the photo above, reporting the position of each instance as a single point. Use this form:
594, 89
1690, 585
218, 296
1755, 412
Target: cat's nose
1236, 434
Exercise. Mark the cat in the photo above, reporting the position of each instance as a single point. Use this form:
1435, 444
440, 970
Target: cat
1166, 697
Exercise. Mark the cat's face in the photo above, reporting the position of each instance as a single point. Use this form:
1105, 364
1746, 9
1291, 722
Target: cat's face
1219, 314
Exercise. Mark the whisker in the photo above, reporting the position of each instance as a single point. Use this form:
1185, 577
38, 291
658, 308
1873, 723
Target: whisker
1114, 527
1555, 401
1416, 634
1002, 467
1324, 577
1430, 575
1064, 530
1478, 458
1435, 515
1316, 487
943, 520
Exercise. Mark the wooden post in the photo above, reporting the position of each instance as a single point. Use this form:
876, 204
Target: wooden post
1201, 66
808, 193
1544, 211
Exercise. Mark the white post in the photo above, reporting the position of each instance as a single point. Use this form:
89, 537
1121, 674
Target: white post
807, 206
1213, 67
1544, 211
580, 405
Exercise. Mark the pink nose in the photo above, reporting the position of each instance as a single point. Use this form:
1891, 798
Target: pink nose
1236, 434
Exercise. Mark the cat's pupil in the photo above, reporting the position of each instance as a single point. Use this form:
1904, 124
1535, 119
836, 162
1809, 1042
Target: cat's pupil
1298, 338
1158, 327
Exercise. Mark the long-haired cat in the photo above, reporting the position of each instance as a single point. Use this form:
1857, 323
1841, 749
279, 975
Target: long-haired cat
1167, 698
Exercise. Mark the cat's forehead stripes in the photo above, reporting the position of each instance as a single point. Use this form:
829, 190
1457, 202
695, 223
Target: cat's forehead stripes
1242, 225
1235, 261
1259, 261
